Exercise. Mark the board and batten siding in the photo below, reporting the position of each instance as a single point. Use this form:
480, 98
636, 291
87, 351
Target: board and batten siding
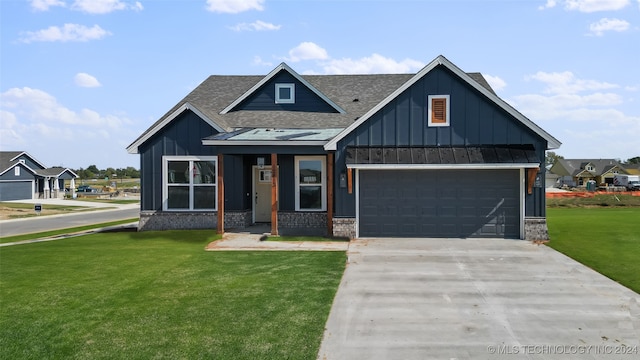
183, 136
305, 99
475, 120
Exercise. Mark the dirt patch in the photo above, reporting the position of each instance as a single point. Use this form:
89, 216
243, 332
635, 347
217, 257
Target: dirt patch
8, 213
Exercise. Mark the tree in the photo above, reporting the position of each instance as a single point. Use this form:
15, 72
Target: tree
551, 158
634, 160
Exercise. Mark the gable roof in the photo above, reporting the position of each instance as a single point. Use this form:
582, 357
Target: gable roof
273, 73
552, 142
8, 159
574, 167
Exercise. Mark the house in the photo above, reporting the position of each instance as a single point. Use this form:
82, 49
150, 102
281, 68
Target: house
431, 154
23, 177
577, 172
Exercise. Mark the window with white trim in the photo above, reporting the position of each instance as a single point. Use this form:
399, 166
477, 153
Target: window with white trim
311, 185
285, 93
438, 110
190, 183
16, 171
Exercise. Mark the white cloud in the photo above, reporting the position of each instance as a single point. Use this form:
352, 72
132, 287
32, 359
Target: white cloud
255, 26
374, 64
44, 5
589, 6
307, 51
548, 5
86, 80
257, 61
606, 24
566, 83
68, 32
104, 6
234, 6
496, 83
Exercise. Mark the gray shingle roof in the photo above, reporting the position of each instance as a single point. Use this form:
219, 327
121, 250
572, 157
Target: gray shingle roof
601, 166
356, 94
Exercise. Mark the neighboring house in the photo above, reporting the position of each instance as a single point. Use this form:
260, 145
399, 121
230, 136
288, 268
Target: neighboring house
431, 154
576, 172
23, 177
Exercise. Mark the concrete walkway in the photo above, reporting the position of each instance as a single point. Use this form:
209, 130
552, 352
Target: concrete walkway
252, 239
476, 299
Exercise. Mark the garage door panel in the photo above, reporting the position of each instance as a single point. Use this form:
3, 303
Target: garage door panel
440, 203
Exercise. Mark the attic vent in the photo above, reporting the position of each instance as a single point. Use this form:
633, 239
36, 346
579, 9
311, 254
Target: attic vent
21, 161
438, 110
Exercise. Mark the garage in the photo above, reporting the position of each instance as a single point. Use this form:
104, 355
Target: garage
477, 203
16, 190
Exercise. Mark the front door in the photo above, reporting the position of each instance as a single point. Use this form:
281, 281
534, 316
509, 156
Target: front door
261, 194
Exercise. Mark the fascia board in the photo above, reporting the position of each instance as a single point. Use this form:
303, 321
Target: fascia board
269, 76
30, 157
552, 143
443, 166
133, 148
33, 172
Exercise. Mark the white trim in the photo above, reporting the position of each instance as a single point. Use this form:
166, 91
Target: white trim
323, 181
133, 148
523, 202
442, 166
165, 185
553, 143
269, 76
357, 191
265, 142
31, 157
430, 122
292, 92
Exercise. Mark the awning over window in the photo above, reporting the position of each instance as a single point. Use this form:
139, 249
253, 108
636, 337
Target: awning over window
437, 155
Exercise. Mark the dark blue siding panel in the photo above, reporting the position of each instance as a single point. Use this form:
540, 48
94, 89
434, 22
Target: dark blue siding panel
183, 136
286, 182
389, 127
305, 99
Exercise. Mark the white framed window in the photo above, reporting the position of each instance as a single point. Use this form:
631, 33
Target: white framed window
285, 93
438, 110
189, 183
16, 171
311, 183
590, 167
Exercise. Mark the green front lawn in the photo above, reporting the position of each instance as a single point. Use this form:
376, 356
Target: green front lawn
146, 295
605, 239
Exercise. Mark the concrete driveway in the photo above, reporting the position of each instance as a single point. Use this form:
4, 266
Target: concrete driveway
476, 299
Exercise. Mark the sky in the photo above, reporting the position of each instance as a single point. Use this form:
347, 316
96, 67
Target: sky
80, 80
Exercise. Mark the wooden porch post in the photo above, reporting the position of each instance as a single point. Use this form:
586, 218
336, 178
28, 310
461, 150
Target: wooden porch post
220, 194
330, 194
274, 194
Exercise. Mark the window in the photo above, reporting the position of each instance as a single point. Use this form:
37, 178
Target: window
190, 183
438, 110
590, 167
285, 93
311, 183
16, 171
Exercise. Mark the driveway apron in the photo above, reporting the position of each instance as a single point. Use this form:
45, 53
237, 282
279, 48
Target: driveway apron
476, 299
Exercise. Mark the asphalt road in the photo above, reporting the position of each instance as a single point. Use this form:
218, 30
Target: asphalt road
55, 222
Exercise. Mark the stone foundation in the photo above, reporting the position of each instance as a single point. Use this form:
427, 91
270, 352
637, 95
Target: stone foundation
237, 219
344, 227
535, 228
302, 223
152, 220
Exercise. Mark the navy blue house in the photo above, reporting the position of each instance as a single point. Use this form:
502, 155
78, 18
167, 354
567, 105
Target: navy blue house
431, 154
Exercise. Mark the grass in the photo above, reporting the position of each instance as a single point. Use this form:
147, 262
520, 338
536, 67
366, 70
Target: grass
24, 210
605, 239
146, 295
51, 233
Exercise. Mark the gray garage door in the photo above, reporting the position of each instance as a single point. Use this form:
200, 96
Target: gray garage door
439, 203
15, 190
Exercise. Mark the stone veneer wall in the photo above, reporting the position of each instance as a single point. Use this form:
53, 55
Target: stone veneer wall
535, 228
237, 219
302, 223
152, 220
344, 227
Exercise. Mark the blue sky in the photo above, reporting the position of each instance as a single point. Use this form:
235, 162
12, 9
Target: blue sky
81, 79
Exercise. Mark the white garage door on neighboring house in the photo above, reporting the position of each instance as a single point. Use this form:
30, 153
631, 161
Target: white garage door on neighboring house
478, 203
